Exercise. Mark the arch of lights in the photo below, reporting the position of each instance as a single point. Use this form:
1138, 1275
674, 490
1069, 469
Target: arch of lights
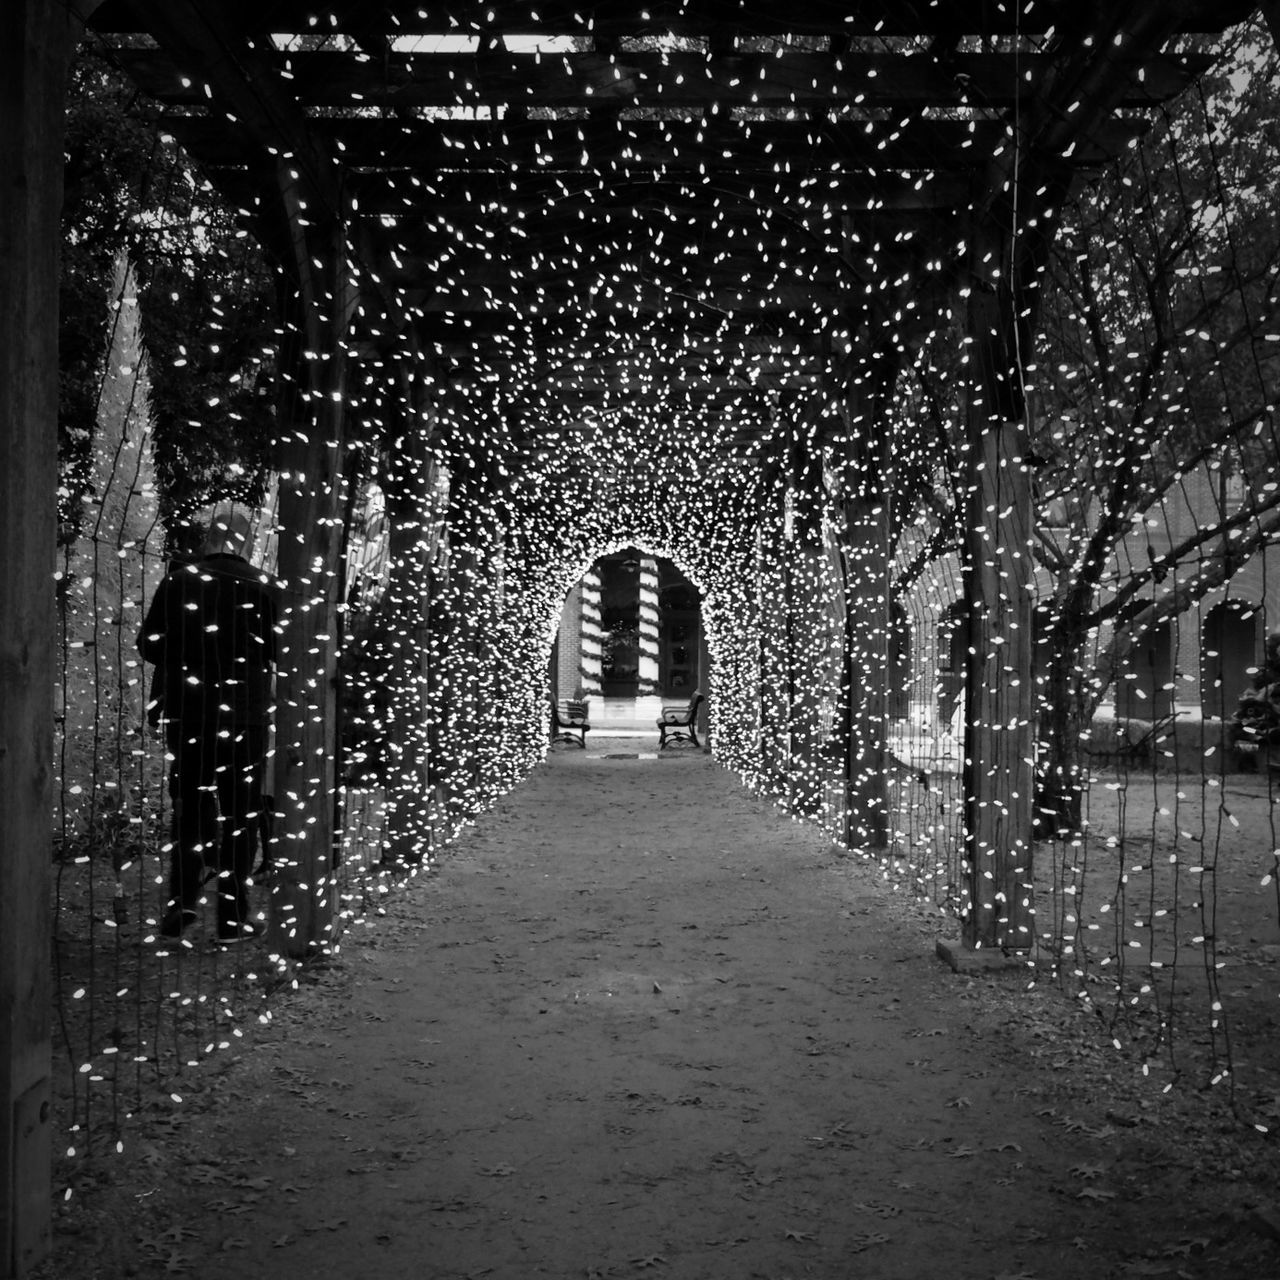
741, 493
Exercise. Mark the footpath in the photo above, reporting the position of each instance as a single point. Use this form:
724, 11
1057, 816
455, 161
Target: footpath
639, 1022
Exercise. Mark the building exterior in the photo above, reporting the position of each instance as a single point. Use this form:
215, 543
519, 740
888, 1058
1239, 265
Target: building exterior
630, 639
1194, 667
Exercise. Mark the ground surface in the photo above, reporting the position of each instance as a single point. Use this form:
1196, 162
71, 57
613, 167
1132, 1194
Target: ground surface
683, 1039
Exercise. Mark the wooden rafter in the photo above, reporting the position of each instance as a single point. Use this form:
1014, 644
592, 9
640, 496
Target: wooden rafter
737, 161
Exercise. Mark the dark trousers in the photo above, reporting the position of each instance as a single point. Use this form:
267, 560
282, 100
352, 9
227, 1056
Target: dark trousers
215, 781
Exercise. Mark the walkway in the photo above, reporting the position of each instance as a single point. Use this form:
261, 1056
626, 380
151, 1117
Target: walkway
642, 1023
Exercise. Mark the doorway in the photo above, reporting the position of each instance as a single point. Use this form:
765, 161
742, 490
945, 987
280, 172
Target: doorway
1228, 648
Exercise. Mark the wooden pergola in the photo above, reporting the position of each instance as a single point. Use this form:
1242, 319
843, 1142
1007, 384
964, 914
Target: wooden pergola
542, 193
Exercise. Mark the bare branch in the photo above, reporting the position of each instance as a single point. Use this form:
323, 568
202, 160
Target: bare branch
1212, 574
1122, 606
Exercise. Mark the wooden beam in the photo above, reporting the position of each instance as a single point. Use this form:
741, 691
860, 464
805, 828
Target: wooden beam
518, 196
876, 19
36, 39
406, 189
426, 153
244, 80
791, 79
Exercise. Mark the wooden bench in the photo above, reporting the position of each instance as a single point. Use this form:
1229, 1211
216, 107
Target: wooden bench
570, 726
680, 724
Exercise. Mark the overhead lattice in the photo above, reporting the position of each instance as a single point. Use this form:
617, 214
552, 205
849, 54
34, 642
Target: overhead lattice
686, 208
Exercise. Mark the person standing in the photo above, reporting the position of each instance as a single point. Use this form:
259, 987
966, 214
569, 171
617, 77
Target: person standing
211, 633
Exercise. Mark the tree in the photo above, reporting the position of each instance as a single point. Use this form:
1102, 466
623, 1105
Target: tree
1156, 364
1156, 361
206, 295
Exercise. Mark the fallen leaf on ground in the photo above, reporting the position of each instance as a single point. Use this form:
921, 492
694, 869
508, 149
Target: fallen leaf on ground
865, 1239
880, 1209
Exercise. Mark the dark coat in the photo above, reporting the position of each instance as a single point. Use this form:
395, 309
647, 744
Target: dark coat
211, 632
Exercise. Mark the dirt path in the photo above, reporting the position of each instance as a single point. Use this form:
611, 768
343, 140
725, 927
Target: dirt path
684, 1040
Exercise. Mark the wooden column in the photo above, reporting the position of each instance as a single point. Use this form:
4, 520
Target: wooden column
704, 680
36, 39
310, 455
806, 618
865, 555
404, 629
999, 771
866, 674
1017, 205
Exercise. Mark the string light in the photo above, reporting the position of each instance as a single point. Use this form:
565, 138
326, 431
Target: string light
705, 324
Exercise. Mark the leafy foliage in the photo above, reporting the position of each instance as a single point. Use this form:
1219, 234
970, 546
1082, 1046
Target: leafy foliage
206, 294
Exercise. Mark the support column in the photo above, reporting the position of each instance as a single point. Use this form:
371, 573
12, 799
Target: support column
403, 629
704, 679
310, 513
866, 674
591, 663
566, 671
1008, 247
808, 643
865, 553
999, 731
649, 691
773, 648
649, 626
464, 684
999, 748
36, 40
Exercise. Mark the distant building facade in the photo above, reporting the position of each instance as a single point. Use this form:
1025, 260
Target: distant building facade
630, 638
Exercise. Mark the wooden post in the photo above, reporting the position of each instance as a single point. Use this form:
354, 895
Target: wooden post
774, 648
808, 647
704, 680
866, 673
865, 557
36, 39
804, 561
311, 451
404, 630
999, 766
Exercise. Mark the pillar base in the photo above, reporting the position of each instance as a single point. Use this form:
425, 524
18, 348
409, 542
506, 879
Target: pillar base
963, 959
